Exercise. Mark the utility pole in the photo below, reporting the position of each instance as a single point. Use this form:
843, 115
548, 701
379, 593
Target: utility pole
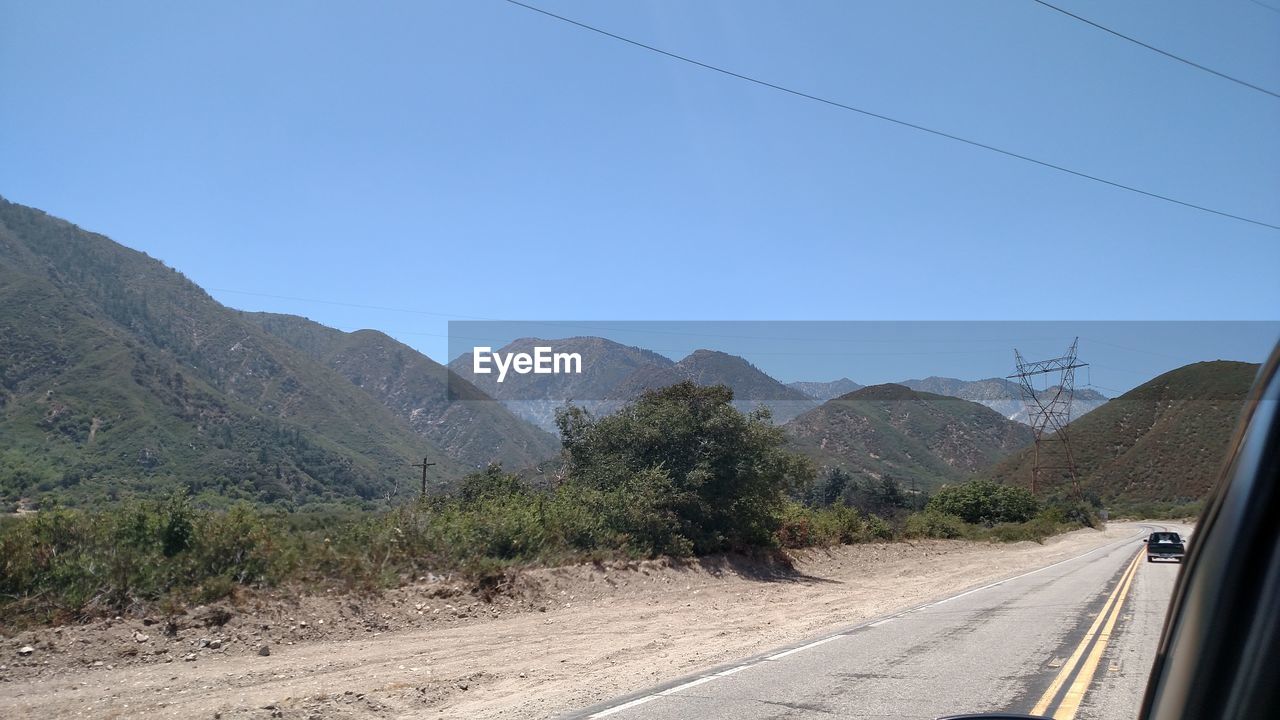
424, 465
1049, 412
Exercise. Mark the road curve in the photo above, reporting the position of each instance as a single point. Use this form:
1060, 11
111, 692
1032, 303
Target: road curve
1071, 640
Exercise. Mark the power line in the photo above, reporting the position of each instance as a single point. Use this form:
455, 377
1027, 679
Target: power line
1153, 48
896, 121
1272, 8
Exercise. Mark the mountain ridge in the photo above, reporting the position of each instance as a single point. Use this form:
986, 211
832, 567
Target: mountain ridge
1002, 395
1164, 440
824, 391
912, 436
120, 375
453, 414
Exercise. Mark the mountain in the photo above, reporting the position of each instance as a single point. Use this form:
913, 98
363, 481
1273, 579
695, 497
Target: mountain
751, 386
613, 374
824, 391
605, 366
119, 375
450, 412
1163, 440
914, 437
1003, 396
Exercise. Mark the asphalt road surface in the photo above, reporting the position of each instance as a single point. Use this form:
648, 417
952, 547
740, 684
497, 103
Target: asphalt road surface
1071, 640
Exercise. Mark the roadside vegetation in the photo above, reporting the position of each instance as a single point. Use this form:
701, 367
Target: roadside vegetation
1158, 510
679, 472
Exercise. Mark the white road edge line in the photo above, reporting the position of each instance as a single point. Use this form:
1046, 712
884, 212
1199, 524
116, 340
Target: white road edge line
813, 644
708, 678
624, 706
686, 686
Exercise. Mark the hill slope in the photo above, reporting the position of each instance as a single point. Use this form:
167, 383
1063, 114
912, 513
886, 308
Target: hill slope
911, 436
1001, 395
751, 386
468, 426
118, 374
1164, 440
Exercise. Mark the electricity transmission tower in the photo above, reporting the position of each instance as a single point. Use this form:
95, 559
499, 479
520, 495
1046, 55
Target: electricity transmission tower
1049, 411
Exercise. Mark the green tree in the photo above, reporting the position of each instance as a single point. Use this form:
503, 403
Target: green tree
878, 496
177, 529
727, 474
831, 488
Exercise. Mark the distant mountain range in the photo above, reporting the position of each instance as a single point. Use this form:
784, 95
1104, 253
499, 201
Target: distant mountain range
999, 394
915, 437
1003, 396
613, 374
119, 375
1163, 440
824, 391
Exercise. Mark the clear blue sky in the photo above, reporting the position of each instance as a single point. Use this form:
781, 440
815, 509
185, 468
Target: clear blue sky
476, 159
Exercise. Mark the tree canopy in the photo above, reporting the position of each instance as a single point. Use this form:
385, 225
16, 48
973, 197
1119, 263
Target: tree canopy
720, 477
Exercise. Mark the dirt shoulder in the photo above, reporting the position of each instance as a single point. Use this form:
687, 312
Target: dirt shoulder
560, 639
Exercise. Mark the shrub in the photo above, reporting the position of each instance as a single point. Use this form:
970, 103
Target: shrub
489, 484
877, 528
842, 525
934, 524
982, 502
726, 474
796, 529
1065, 511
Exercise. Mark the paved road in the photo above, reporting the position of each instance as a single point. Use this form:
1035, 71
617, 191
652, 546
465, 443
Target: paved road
1071, 640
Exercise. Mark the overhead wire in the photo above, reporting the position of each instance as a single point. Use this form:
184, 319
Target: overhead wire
1261, 4
1155, 49
893, 120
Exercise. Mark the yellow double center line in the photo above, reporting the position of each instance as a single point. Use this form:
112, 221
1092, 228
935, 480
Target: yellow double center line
1099, 631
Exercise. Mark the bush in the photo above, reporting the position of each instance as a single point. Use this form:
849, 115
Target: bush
982, 502
796, 529
1072, 512
836, 525
489, 484
1034, 530
934, 524
877, 528
841, 525
69, 563
725, 474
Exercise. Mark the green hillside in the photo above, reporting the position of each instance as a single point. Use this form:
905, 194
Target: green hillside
1165, 440
119, 375
453, 414
893, 431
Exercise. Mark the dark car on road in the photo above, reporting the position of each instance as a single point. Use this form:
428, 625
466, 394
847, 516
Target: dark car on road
1165, 546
